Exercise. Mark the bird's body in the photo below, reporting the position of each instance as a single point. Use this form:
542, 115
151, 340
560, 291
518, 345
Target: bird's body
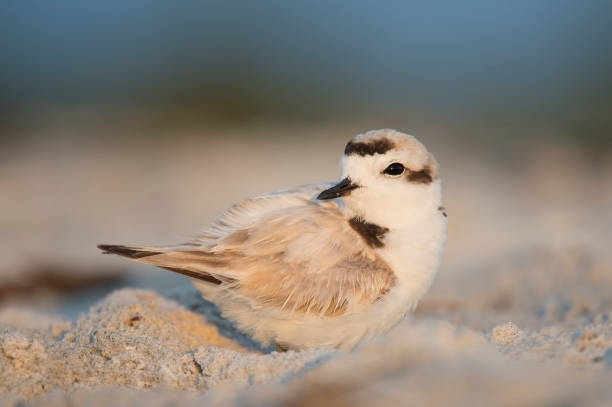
323, 264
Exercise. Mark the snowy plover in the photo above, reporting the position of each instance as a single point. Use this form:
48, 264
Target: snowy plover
323, 264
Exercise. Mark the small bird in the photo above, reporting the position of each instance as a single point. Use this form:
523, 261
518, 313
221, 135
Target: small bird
322, 264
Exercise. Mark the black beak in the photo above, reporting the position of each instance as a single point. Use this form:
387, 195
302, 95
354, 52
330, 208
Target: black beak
342, 188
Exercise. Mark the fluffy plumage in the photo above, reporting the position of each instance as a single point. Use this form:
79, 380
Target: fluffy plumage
301, 272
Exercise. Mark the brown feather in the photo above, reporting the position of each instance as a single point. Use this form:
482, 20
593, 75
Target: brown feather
282, 252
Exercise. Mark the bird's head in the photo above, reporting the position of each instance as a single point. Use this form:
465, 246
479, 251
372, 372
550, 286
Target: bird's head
388, 177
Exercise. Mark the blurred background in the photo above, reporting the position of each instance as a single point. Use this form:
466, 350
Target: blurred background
139, 122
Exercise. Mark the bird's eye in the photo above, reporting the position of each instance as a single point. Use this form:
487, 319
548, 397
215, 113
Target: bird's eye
394, 169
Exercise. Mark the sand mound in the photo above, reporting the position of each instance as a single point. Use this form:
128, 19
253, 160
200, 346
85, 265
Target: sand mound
135, 339
137, 347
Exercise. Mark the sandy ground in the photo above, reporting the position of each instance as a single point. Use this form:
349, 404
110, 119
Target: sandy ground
136, 345
519, 314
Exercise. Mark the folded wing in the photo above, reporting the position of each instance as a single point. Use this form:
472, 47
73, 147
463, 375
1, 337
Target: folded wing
295, 254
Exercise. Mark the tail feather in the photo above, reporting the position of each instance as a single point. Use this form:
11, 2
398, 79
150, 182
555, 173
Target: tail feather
130, 252
178, 261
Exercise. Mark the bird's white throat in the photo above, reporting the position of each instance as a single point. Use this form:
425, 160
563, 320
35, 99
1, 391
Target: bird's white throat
395, 209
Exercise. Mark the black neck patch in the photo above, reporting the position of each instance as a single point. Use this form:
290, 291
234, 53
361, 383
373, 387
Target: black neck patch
371, 233
420, 177
364, 148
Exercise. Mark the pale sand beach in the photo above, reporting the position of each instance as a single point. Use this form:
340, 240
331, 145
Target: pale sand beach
141, 122
519, 314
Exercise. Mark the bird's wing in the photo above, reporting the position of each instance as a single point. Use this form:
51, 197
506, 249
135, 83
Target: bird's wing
304, 258
249, 210
307, 259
